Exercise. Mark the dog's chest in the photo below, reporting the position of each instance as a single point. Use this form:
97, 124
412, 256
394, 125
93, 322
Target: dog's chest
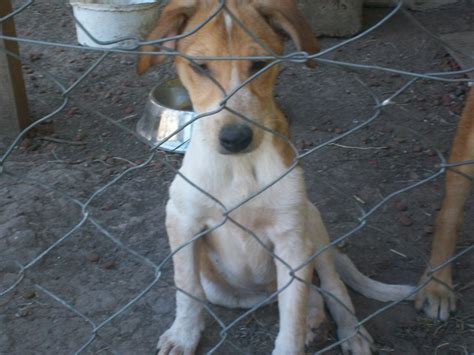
258, 210
245, 239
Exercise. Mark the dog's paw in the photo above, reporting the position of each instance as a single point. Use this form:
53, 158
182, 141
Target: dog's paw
317, 326
436, 300
179, 341
360, 343
319, 331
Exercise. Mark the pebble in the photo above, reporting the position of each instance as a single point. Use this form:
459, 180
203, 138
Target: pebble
127, 62
35, 56
401, 205
417, 148
110, 264
23, 312
405, 220
93, 257
29, 295
428, 229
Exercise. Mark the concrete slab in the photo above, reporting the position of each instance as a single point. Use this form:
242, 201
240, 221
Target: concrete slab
462, 48
334, 18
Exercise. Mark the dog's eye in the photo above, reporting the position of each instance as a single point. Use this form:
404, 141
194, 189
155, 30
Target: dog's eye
257, 66
201, 69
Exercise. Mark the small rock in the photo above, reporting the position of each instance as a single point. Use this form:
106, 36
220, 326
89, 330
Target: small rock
93, 257
430, 153
417, 148
35, 56
110, 264
127, 62
401, 205
338, 130
405, 220
428, 229
23, 312
129, 109
72, 111
29, 295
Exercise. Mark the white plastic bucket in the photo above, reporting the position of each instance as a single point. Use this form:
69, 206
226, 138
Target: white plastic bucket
110, 20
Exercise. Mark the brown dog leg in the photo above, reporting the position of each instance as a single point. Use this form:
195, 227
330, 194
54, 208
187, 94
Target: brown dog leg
437, 299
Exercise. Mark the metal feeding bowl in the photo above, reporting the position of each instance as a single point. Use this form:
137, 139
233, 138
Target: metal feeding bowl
168, 109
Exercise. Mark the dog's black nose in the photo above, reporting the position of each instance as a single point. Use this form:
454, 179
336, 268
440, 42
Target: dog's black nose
235, 138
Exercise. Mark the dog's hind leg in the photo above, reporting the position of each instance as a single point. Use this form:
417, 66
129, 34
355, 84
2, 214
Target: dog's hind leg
357, 340
315, 316
437, 298
185, 332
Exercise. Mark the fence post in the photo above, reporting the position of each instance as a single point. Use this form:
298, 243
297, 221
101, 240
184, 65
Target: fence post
14, 114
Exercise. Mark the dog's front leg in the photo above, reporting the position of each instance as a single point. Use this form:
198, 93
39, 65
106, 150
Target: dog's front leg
292, 301
183, 336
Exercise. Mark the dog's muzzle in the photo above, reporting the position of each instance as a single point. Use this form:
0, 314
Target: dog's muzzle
235, 138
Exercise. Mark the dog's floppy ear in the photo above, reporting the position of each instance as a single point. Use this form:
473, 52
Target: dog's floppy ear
171, 23
285, 14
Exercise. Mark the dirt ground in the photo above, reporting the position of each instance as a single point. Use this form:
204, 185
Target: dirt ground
97, 277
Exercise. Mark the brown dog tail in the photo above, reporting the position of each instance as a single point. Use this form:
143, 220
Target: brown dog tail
370, 288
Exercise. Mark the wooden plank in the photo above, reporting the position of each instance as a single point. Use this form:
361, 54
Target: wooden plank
14, 114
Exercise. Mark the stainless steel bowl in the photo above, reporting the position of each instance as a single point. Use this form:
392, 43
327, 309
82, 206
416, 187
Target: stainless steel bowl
168, 108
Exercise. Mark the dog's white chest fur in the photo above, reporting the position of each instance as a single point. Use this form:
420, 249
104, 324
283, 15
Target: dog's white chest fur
233, 179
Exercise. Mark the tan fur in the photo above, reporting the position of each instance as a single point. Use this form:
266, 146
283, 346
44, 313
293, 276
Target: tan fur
437, 298
230, 266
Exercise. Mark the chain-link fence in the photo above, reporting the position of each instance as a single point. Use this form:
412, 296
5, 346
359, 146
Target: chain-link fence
87, 218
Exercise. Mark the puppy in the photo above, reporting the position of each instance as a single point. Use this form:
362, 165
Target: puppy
231, 159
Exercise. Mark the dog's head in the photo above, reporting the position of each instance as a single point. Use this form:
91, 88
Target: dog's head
208, 81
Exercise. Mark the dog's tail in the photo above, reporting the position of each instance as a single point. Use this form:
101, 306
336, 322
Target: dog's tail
368, 287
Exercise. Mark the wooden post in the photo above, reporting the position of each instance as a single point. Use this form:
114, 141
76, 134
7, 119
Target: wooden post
14, 114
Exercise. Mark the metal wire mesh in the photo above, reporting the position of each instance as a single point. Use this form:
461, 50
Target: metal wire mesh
86, 217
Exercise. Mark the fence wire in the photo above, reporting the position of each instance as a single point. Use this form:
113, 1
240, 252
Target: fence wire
86, 215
